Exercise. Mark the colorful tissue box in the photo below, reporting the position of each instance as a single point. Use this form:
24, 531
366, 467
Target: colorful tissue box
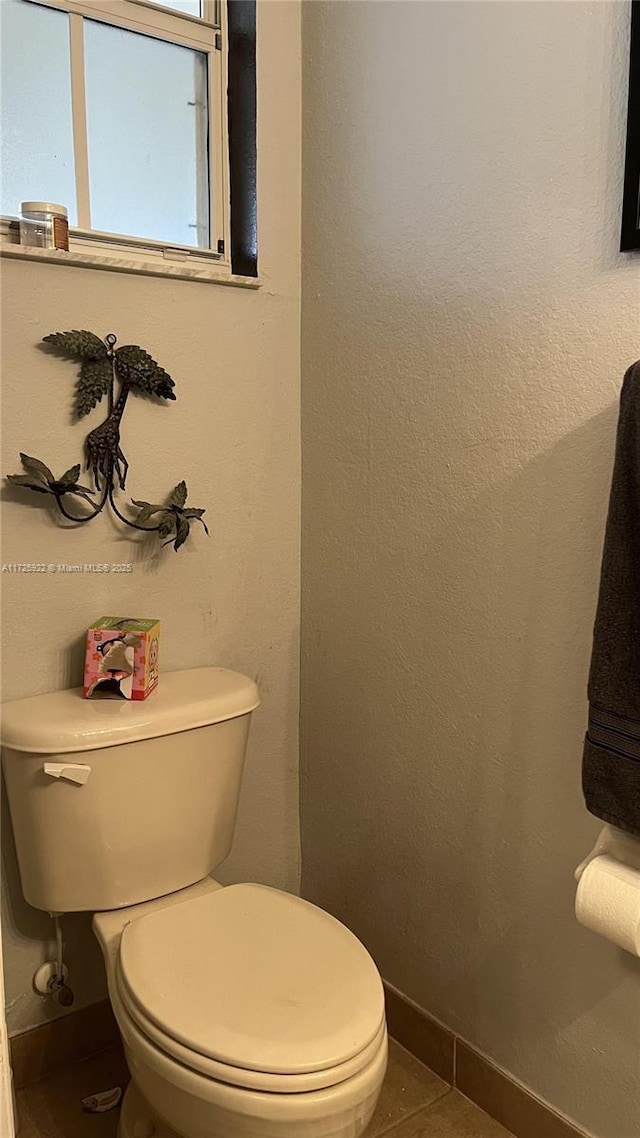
121, 660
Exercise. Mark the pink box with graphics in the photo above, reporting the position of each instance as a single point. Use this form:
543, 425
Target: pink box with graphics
121, 660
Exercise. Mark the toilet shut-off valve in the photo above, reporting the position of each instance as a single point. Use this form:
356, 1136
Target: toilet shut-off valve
51, 977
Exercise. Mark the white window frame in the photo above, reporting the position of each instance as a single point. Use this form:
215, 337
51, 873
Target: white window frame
206, 34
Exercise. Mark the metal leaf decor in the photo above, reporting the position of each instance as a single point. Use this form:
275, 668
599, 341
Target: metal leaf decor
94, 381
175, 518
116, 373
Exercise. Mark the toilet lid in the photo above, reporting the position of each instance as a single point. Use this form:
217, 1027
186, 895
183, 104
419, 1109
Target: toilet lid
254, 978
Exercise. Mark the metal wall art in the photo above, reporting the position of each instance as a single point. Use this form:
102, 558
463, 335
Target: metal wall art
116, 373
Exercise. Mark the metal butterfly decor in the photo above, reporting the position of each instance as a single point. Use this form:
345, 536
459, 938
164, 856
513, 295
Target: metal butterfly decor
116, 373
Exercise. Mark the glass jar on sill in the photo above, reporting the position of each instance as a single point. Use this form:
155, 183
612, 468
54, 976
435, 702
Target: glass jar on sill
44, 225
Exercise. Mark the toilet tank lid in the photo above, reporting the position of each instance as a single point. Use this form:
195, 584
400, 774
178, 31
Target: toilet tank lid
63, 722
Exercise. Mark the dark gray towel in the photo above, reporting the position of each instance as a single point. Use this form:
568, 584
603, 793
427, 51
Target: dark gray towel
611, 761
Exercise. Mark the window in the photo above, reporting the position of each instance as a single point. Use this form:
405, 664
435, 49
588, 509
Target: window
118, 110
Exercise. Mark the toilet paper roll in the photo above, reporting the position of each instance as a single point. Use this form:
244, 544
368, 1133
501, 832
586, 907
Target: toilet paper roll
608, 901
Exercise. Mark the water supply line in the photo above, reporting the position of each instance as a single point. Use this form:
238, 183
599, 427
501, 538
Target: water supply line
58, 984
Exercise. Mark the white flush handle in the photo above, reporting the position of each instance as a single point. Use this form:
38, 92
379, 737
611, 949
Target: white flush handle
73, 772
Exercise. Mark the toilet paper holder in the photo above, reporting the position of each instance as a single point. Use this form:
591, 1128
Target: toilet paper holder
618, 844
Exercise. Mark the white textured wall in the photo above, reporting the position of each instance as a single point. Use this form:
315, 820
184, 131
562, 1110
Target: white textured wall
233, 433
466, 323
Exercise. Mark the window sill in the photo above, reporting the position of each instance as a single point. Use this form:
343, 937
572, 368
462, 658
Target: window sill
179, 270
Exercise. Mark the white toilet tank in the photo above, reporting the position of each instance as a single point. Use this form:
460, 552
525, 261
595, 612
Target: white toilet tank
115, 802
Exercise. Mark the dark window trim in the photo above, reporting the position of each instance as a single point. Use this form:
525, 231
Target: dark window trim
630, 236
242, 136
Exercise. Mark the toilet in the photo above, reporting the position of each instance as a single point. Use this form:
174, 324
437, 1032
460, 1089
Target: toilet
245, 1012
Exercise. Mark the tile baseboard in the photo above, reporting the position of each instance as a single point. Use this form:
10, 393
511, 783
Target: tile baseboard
472, 1073
41, 1050
420, 1034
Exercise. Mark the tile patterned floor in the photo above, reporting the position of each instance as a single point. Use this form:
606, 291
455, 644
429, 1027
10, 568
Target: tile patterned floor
414, 1103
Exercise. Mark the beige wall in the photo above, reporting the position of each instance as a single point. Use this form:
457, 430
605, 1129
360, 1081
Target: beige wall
233, 433
466, 324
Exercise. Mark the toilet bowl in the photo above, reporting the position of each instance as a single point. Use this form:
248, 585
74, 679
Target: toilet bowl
245, 1012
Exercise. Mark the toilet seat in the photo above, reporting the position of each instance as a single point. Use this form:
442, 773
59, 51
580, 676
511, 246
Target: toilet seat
240, 1077
253, 987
